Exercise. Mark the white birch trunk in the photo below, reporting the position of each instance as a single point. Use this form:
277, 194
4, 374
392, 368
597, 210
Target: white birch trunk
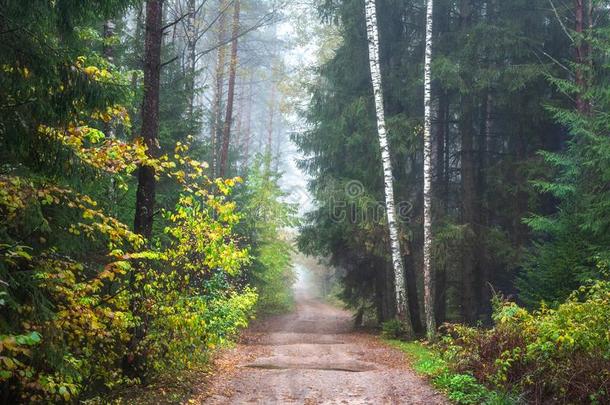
402, 305
428, 287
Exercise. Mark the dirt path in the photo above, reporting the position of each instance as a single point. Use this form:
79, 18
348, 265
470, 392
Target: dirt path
312, 356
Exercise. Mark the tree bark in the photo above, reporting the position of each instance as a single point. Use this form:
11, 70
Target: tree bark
428, 287
271, 118
134, 363
145, 196
402, 306
108, 52
226, 133
191, 63
440, 193
582, 53
108, 33
468, 186
247, 132
219, 89
240, 114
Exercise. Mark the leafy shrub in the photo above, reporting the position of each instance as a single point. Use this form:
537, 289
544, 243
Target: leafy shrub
77, 321
392, 329
460, 388
551, 355
265, 216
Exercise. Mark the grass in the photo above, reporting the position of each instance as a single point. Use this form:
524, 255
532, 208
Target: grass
459, 388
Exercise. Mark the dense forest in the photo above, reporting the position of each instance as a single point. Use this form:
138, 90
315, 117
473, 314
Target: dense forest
125, 230
456, 155
516, 155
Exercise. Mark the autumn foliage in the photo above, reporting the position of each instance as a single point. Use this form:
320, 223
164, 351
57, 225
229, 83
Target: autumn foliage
85, 301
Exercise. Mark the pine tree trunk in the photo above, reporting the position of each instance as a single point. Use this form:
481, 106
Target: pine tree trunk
108, 52
582, 53
468, 186
239, 114
247, 132
145, 196
226, 133
402, 307
440, 193
137, 37
219, 89
270, 123
134, 364
191, 43
428, 287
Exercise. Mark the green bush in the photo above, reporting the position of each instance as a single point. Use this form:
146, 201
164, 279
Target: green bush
461, 388
550, 355
392, 329
458, 387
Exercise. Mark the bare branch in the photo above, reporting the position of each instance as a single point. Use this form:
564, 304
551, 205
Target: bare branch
260, 23
182, 17
561, 22
175, 58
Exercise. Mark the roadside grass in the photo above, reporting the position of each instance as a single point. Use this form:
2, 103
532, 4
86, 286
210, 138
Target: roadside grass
461, 389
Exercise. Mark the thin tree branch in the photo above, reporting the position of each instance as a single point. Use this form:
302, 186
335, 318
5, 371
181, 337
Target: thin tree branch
561, 22
261, 22
182, 17
214, 20
169, 61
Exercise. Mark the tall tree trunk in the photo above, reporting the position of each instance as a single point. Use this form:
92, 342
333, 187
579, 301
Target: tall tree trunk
108, 33
145, 196
441, 198
483, 217
137, 37
468, 186
226, 133
191, 62
428, 287
240, 114
108, 52
582, 52
270, 123
247, 133
402, 306
468, 213
219, 89
134, 363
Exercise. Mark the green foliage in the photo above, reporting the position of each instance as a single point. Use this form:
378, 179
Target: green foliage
71, 319
265, 221
459, 388
82, 297
574, 240
462, 388
392, 329
560, 354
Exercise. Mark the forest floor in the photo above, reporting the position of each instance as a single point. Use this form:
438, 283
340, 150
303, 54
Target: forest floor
313, 356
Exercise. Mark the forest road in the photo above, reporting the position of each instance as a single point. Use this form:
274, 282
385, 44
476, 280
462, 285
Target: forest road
313, 356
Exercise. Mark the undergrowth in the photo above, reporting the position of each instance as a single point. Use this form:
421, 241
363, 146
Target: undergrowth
459, 388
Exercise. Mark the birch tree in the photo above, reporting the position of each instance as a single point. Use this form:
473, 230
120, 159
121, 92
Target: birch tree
402, 305
428, 290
